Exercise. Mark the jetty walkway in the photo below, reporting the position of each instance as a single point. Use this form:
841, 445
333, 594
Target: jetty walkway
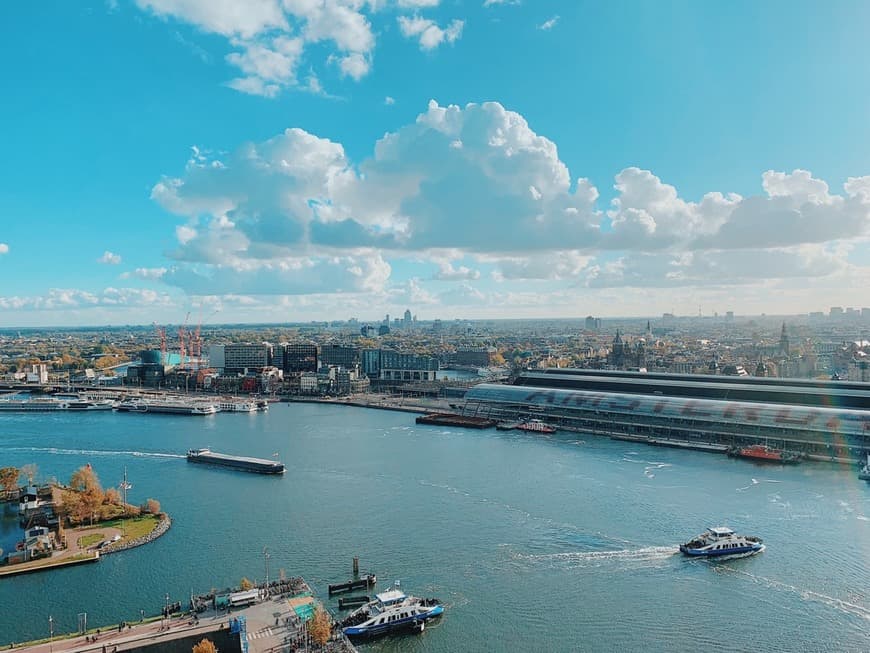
270, 626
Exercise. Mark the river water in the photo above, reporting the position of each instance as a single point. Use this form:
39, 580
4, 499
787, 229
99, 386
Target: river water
535, 544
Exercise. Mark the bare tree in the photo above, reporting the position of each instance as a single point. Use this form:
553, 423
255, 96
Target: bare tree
29, 472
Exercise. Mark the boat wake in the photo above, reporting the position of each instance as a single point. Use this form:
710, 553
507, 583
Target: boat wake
95, 452
643, 555
847, 607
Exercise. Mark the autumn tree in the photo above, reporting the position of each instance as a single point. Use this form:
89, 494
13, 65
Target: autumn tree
112, 496
245, 584
85, 478
204, 646
9, 478
71, 506
319, 626
152, 507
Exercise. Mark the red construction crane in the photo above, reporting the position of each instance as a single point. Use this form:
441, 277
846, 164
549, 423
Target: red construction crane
161, 333
182, 335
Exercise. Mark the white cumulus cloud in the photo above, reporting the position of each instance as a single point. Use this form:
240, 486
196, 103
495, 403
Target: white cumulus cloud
427, 31
271, 37
109, 258
293, 214
549, 24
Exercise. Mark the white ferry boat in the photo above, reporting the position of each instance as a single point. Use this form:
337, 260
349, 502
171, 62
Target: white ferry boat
721, 541
132, 406
391, 611
167, 406
230, 406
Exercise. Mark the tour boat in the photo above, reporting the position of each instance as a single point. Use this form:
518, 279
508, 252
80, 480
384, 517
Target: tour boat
391, 611
765, 454
535, 426
864, 472
721, 541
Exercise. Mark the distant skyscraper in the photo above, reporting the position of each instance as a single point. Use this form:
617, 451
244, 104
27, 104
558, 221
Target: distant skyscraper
407, 319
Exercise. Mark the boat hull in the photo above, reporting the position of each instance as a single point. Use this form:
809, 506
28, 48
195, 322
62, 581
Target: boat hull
708, 553
399, 625
253, 466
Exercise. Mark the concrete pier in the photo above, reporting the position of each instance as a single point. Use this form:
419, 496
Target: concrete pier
269, 626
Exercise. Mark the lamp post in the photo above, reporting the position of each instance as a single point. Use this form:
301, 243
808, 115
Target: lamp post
266, 563
50, 634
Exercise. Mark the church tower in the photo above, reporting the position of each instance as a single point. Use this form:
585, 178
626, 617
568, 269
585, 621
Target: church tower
783, 342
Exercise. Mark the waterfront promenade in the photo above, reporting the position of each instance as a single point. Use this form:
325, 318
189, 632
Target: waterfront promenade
271, 626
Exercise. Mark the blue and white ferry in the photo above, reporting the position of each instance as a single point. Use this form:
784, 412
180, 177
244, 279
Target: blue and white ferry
391, 611
721, 541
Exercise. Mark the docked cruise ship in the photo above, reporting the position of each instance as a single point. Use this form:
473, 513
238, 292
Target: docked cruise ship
44, 404
166, 406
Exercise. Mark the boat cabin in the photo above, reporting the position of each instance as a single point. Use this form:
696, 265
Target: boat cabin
720, 531
29, 500
390, 597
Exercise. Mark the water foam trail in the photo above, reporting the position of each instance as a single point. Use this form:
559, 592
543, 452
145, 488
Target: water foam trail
95, 452
645, 554
808, 595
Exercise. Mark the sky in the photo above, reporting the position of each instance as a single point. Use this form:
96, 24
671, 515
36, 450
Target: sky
296, 160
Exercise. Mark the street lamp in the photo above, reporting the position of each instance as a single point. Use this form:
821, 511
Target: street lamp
50, 634
141, 615
266, 562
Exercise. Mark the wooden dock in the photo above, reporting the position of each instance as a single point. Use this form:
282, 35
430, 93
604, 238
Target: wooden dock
363, 583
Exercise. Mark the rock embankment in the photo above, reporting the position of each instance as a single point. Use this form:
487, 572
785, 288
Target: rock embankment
162, 527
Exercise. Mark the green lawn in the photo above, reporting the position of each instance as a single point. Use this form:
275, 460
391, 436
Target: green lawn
135, 527
90, 540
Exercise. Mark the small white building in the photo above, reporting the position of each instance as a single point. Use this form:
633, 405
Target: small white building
37, 373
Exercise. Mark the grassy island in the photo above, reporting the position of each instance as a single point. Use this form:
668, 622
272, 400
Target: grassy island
76, 523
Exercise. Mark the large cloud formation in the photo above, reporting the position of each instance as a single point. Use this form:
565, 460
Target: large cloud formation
294, 215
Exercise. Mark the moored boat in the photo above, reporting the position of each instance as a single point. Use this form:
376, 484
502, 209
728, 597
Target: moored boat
391, 611
166, 406
765, 454
535, 426
44, 404
864, 472
721, 541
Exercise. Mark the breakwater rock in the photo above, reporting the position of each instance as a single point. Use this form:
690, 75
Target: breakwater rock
163, 526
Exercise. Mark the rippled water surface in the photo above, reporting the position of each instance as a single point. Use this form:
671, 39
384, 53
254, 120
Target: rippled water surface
535, 544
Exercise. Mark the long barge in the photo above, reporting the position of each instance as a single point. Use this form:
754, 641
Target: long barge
242, 463
449, 419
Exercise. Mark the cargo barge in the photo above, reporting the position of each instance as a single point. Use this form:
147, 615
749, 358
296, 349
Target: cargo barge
449, 419
242, 463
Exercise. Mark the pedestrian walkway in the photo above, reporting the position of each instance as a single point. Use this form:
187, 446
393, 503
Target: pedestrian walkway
266, 632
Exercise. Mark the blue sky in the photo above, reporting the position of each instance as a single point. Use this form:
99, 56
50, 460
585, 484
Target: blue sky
320, 159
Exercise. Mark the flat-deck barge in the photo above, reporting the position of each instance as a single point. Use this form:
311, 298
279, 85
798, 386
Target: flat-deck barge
449, 419
243, 463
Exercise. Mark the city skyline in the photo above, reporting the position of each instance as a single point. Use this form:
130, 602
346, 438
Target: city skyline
303, 161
